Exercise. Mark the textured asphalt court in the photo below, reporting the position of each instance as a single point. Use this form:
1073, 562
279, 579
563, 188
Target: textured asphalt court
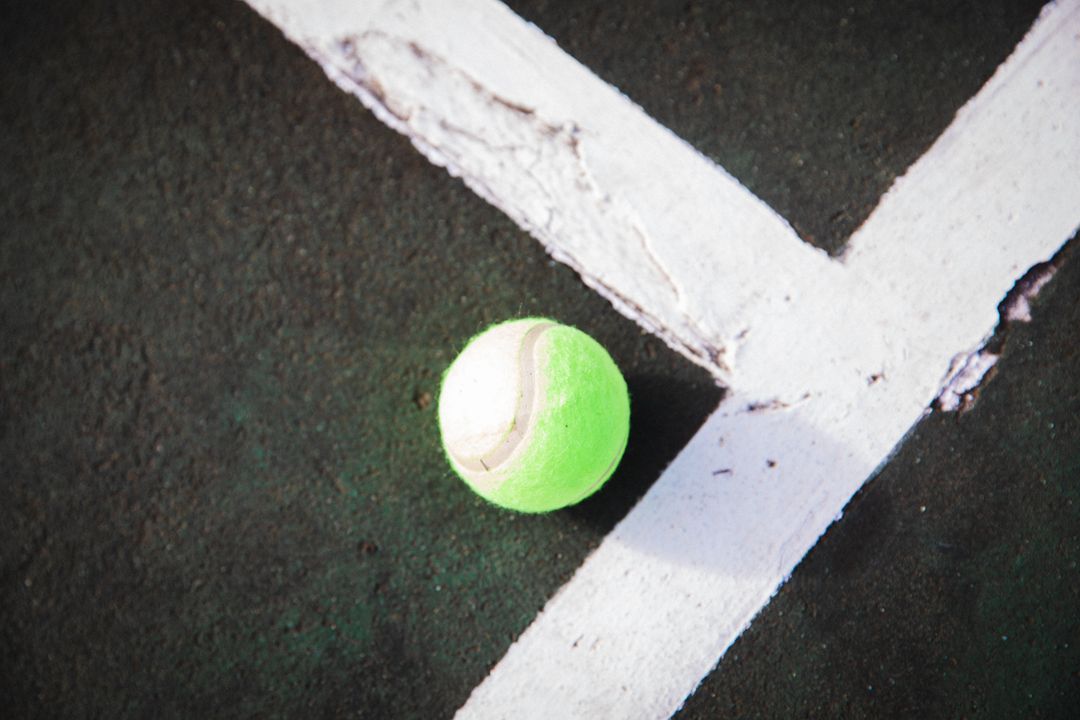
228, 293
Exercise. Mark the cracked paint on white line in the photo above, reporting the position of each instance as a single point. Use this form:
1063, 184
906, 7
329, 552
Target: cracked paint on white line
607, 190
830, 362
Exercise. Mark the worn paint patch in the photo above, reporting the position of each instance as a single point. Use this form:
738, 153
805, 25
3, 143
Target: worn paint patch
968, 374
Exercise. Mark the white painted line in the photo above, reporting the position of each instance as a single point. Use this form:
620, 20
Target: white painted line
605, 188
830, 363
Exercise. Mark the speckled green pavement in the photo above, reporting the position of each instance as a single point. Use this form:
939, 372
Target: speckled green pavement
227, 294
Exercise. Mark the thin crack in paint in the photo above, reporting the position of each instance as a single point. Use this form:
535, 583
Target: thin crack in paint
708, 354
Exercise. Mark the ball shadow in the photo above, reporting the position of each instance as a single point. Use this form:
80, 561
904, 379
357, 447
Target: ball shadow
665, 413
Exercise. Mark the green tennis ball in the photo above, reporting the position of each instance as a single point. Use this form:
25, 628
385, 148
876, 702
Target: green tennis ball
534, 415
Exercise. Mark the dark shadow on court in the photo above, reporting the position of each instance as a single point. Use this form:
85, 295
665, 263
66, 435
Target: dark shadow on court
665, 412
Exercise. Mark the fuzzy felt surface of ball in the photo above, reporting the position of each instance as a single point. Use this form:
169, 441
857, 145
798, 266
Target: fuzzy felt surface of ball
534, 415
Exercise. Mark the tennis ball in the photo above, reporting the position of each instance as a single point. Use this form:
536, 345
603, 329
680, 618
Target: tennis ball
534, 415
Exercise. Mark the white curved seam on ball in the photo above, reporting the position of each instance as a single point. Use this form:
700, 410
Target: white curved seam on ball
483, 469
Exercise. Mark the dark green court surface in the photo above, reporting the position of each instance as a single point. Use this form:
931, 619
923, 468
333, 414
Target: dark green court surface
227, 294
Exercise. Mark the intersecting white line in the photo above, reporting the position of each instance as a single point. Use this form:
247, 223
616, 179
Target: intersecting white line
829, 362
